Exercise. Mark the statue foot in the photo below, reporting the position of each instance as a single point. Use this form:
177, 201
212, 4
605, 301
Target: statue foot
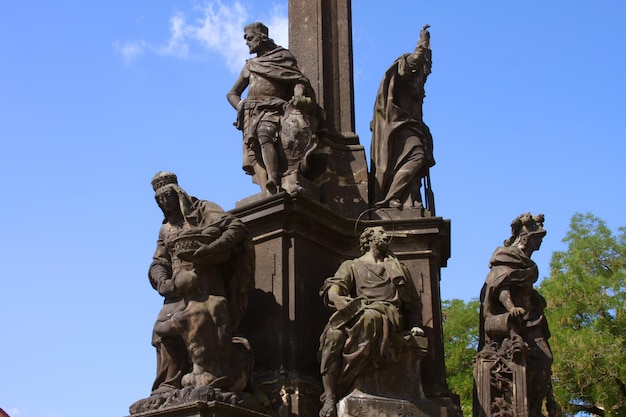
393, 203
163, 389
198, 379
271, 187
329, 409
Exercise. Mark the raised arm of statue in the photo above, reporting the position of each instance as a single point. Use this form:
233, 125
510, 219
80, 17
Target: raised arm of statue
422, 49
424, 40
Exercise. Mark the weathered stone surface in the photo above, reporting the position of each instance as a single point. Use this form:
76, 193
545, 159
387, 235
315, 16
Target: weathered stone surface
359, 404
202, 402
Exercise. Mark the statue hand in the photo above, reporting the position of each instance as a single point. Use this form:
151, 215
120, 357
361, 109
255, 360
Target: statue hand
417, 331
186, 256
213, 253
517, 311
300, 101
340, 302
166, 288
424, 40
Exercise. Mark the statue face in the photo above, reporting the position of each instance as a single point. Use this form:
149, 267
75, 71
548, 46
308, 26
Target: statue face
534, 242
380, 239
253, 40
167, 200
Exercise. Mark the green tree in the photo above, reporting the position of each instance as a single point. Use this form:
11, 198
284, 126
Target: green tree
586, 294
460, 340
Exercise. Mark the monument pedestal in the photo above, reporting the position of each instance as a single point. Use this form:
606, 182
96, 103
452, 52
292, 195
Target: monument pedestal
300, 242
202, 409
359, 404
501, 385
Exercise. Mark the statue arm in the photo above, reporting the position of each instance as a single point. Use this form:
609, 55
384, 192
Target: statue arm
507, 301
336, 297
421, 49
234, 95
336, 291
160, 272
232, 232
411, 304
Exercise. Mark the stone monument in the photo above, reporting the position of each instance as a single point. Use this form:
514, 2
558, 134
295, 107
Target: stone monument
305, 226
512, 368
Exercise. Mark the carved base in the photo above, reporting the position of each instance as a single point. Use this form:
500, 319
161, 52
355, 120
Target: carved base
399, 214
296, 183
201, 402
292, 184
359, 404
500, 378
400, 379
202, 409
290, 394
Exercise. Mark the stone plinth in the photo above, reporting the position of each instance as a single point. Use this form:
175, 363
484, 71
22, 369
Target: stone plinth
501, 387
359, 404
202, 409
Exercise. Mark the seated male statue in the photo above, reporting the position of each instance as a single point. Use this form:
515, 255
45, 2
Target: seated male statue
378, 315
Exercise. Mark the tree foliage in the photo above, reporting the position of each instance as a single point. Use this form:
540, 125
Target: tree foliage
586, 294
460, 330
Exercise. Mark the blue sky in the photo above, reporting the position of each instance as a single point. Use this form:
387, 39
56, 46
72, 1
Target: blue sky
526, 104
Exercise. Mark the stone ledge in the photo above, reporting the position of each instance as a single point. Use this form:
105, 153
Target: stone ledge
359, 404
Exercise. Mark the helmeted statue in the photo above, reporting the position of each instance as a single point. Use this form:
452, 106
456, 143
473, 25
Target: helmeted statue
402, 146
514, 330
279, 116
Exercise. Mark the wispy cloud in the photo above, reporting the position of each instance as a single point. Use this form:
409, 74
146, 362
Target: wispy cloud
216, 27
178, 44
130, 50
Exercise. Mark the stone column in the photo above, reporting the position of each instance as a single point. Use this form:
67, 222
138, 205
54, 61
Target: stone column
320, 36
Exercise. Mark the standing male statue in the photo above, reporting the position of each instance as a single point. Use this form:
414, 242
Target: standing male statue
203, 266
378, 317
277, 89
514, 329
402, 146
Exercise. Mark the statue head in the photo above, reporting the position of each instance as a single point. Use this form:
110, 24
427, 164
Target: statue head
373, 235
168, 194
165, 186
527, 232
257, 37
163, 179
